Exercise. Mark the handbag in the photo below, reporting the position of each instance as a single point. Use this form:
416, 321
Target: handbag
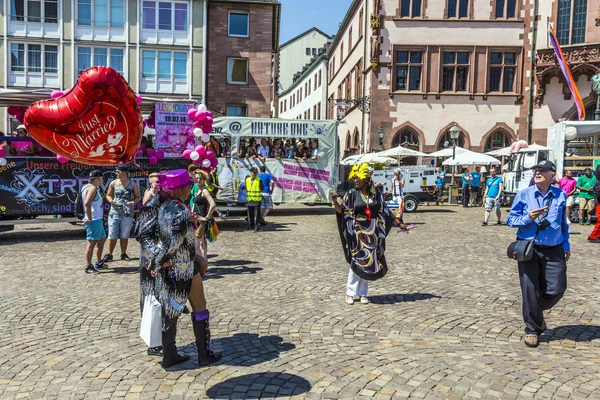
151, 328
521, 249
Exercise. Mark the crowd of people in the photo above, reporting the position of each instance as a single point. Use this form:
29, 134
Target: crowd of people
279, 149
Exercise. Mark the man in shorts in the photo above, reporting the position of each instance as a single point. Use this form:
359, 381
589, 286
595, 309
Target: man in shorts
585, 184
493, 191
569, 185
266, 204
94, 225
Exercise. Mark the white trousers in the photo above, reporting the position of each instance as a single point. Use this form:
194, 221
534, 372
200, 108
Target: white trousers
357, 286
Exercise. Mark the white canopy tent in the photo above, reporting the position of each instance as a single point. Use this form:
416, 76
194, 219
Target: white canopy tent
471, 158
506, 150
400, 152
370, 158
448, 152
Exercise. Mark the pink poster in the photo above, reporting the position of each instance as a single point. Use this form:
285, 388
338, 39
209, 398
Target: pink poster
174, 130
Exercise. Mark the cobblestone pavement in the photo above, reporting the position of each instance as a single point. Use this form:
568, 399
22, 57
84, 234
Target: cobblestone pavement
444, 323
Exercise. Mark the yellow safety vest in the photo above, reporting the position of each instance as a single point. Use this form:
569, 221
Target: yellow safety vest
253, 192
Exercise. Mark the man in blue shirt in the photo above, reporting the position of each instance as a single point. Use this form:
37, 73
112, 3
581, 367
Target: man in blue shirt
439, 185
475, 184
541, 209
491, 197
466, 182
267, 202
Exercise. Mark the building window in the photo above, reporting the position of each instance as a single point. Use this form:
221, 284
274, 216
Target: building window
88, 57
239, 24
171, 65
314, 51
360, 23
408, 70
410, 8
506, 8
308, 51
234, 110
33, 58
341, 52
319, 110
34, 11
101, 13
503, 67
446, 141
237, 71
349, 39
358, 80
315, 82
320, 78
458, 8
170, 16
571, 21
497, 140
455, 71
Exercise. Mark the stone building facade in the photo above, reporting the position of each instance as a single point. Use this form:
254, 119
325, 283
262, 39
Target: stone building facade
242, 43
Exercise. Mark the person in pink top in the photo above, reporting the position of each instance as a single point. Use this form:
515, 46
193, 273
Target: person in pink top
569, 185
23, 148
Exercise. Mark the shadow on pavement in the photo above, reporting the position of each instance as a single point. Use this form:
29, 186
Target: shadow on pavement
247, 349
260, 385
241, 225
401, 298
235, 269
37, 234
576, 333
120, 270
435, 210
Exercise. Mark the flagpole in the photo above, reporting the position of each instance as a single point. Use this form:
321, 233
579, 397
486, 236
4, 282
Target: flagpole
533, 59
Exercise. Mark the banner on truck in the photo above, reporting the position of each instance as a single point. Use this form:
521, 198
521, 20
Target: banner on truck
174, 130
37, 186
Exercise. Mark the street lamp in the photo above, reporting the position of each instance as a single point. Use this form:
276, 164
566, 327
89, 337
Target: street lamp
454, 135
381, 133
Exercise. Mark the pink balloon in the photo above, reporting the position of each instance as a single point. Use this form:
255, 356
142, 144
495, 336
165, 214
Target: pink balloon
192, 113
209, 114
214, 162
12, 110
62, 159
198, 124
139, 98
56, 94
208, 120
150, 153
200, 115
201, 149
207, 129
1, 151
187, 154
207, 170
153, 160
159, 154
209, 154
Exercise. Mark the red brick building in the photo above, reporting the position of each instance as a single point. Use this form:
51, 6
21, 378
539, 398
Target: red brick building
243, 37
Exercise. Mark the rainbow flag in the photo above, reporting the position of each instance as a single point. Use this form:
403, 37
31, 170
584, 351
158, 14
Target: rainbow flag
564, 66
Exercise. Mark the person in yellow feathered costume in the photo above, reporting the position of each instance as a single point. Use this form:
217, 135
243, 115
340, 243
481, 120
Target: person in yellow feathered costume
364, 221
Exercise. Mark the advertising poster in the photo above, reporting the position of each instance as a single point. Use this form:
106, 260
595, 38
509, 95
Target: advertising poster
174, 130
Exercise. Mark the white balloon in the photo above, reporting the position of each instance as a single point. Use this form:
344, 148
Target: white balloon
205, 137
197, 132
3, 162
202, 108
206, 163
194, 155
570, 133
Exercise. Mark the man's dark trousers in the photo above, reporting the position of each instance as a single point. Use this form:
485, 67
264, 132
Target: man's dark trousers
254, 218
466, 195
543, 282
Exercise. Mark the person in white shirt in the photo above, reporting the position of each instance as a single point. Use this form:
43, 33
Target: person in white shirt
314, 153
93, 222
263, 150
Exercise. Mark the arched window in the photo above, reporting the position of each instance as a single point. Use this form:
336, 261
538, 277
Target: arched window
406, 138
446, 142
497, 140
356, 139
348, 141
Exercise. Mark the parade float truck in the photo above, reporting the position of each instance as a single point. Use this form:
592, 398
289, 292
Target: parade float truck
36, 186
296, 181
520, 167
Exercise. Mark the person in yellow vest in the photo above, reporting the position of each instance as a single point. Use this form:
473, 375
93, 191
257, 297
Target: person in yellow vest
254, 189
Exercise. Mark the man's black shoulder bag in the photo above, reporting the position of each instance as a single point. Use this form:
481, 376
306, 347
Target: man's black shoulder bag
522, 250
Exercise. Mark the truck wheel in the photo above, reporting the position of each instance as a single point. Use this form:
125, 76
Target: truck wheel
410, 204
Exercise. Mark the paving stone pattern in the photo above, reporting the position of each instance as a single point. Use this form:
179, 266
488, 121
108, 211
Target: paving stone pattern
445, 323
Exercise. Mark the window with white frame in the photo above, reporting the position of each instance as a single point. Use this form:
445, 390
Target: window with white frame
88, 57
237, 71
238, 24
165, 16
164, 65
101, 13
33, 58
234, 110
34, 11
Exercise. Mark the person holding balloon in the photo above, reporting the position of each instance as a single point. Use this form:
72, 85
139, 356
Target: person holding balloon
122, 195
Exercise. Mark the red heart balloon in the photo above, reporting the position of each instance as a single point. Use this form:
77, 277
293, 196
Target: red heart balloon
97, 122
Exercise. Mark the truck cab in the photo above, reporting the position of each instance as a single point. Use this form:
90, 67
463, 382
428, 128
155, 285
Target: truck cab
519, 170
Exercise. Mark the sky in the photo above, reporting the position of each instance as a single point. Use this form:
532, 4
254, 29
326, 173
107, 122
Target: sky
298, 16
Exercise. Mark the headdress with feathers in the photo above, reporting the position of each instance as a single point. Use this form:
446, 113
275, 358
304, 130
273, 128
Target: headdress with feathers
359, 171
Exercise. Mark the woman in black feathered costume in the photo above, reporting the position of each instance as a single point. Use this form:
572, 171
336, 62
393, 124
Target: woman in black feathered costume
170, 268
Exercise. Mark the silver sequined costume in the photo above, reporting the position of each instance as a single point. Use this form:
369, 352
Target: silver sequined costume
166, 234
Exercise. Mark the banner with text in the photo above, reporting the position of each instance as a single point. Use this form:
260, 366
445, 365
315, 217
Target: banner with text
174, 130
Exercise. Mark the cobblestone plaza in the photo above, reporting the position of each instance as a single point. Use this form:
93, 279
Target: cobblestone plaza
444, 323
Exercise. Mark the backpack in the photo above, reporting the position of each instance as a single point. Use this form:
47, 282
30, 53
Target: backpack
79, 206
